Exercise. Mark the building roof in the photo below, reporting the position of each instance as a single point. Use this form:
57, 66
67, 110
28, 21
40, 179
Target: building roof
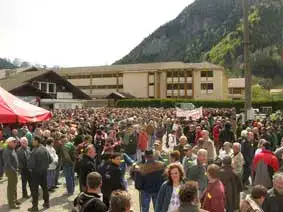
236, 83
20, 79
4, 73
135, 67
24, 78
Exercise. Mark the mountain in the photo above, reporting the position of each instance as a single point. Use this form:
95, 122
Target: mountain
212, 30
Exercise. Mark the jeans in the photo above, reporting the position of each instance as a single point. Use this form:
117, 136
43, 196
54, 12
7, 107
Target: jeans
26, 179
69, 177
145, 200
12, 187
1, 163
51, 176
58, 169
39, 179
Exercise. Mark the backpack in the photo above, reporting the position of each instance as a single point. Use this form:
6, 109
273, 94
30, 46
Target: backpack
81, 208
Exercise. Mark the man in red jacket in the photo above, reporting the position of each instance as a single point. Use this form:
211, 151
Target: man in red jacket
265, 164
213, 197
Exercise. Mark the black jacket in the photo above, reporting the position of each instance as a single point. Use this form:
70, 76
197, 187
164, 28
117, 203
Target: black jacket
23, 156
273, 201
39, 159
94, 206
248, 151
85, 166
111, 179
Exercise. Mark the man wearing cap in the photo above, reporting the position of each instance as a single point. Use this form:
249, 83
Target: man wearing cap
11, 165
189, 158
148, 179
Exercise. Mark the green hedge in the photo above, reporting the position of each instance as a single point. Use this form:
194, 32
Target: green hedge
170, 103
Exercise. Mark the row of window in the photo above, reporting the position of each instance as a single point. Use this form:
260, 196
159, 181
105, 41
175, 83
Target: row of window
179, 86
235, 91
206, 86
100, 86
189, 86
179, 74
206, 73
87, 76
188, 97
47, 87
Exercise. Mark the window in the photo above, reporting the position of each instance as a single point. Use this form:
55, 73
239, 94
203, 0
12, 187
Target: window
206, 86
209, 86
181, 74
43, 86
235, 91
172, 86
51, 88
206, 74
100, 86
169, 74
189, 86
189, 74
175, 74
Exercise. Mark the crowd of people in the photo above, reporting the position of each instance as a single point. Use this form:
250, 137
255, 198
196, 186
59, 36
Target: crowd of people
179, 164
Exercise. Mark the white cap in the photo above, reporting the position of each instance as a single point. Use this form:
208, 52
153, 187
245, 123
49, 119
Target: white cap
10, 139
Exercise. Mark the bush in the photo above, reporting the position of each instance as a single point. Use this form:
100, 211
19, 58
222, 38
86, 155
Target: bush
170, 103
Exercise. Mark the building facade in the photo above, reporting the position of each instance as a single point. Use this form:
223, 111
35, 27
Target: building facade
236, 88
203, 81
44, 88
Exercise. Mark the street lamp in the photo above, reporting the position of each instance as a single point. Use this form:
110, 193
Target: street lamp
247, 67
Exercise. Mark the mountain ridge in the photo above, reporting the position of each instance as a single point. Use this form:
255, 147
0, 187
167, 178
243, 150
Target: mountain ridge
212, 30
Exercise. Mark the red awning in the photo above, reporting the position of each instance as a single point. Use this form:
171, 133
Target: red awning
13, 110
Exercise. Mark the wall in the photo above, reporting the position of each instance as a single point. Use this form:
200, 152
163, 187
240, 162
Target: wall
136, 83
219, 86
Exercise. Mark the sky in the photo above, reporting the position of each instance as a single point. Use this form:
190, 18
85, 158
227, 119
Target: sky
71, 33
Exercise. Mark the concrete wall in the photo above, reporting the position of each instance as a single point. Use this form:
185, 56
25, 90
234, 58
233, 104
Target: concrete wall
136, 83
219, 86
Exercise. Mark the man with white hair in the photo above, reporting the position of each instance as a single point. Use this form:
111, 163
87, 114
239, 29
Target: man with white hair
23, 155
197, 171
180, 147
237, 160
206, 143
274, 198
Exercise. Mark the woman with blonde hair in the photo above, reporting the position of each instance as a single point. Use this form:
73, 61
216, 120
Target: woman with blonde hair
168, 196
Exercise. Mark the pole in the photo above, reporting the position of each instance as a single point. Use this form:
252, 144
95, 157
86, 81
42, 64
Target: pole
247, 67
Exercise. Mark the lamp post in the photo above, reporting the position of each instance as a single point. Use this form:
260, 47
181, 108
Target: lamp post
247, 67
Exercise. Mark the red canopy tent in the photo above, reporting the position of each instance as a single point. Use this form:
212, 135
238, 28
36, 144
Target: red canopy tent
15, 110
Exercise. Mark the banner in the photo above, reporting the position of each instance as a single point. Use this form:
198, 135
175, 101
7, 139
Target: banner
194, 114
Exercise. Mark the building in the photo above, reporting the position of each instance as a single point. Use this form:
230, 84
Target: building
45, 88
151, 80
236, 88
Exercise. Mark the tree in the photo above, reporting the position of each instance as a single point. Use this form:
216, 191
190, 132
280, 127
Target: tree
259, 93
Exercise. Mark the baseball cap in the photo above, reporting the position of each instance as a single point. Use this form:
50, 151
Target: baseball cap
11, 139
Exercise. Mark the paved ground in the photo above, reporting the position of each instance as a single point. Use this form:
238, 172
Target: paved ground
59, 201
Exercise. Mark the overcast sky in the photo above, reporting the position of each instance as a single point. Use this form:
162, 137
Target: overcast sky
79, 32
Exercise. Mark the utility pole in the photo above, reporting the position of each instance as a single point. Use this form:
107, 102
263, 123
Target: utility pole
247, 67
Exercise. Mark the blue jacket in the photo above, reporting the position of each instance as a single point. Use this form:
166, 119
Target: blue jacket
164, 197
149, 177
125, 161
